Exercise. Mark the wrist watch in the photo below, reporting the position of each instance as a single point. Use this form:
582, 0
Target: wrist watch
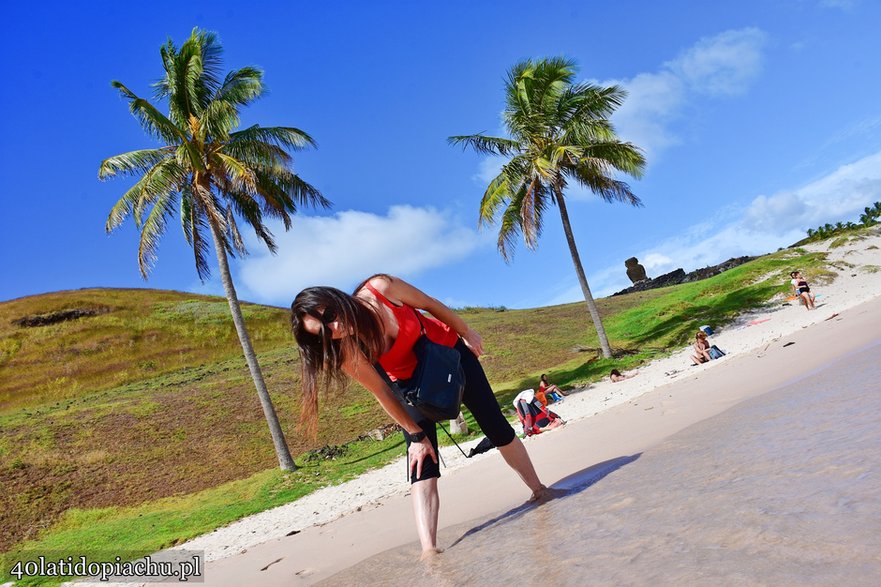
417, 436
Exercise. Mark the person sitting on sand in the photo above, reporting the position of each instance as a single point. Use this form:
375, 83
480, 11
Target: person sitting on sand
701, 348
535, 417
341, 335
802, 289
546, 389
617, 376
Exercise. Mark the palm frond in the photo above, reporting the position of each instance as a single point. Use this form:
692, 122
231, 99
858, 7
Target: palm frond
607, 188
298, 191
133, 162
241, 87
620, 156
509, 226
258, 153
151, 232
152, 121
235, 237
486, 144
192, 223
162, 178
217, 121
240, 176
248, 209
282, 136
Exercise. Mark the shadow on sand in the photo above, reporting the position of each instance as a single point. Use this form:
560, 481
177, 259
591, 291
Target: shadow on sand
565, 487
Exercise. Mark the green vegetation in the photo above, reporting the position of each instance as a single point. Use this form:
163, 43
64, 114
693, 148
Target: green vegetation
212, 174
157, 524
82, 464
559, 133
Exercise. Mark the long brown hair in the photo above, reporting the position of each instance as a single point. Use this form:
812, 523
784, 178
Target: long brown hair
322, 356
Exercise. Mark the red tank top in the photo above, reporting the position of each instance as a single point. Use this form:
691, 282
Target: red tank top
400, 360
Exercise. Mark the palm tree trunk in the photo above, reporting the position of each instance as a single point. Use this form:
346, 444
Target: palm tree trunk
582, 279
285, 461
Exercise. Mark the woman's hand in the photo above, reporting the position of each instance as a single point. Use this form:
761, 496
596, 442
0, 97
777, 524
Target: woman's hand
418, 452
473, 341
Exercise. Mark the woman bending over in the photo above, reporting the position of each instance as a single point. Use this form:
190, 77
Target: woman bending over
343, 335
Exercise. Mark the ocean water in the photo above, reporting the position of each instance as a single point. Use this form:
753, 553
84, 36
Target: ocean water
783, 489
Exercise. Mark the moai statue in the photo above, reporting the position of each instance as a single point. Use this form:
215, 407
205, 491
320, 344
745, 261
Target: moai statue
635, 271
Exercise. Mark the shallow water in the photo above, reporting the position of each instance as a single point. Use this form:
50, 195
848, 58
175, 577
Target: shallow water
783, 489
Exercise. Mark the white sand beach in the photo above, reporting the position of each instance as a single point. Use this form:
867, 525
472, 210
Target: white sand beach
336, 527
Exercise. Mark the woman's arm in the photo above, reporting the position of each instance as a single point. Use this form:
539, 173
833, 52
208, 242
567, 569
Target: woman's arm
360, 369
398, 289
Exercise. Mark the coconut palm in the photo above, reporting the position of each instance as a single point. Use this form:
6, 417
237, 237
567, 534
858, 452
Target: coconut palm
211, 174
871, 214
559, 132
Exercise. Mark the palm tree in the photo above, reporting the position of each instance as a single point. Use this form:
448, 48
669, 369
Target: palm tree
871, 215
559, 132
211, 174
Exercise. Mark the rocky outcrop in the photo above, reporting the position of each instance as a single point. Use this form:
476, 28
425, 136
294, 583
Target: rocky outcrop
680, 276
60, 316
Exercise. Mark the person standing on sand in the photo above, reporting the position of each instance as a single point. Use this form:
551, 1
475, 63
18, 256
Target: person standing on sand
342, 335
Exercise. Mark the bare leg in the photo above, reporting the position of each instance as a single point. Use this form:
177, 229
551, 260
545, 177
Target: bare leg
807, 299
518, 459
426, 504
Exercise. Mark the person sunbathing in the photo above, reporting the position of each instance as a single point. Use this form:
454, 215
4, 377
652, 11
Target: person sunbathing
617, 376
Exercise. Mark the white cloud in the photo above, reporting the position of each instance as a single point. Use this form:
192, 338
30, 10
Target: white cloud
341, 250
835, 196
765, 224
725, 64
722, 65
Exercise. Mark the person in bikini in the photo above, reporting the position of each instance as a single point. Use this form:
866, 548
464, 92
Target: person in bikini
701, 348
546, 390
342, 335
802, 289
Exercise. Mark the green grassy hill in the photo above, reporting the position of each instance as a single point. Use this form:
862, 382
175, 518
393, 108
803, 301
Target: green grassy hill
138, 426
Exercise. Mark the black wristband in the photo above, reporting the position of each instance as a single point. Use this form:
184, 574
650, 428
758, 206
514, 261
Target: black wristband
417, 436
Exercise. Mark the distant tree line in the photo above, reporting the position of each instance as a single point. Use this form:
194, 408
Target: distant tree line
869, 217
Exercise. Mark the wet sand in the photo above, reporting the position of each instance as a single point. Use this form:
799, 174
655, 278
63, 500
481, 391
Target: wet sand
782, 489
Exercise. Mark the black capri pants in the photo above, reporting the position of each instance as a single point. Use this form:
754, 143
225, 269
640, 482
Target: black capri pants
478, 397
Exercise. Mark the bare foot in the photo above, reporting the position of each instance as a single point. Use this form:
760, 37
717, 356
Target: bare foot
537, 494
545, 494
430, 554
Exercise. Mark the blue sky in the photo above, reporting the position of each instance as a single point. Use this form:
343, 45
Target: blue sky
759, 120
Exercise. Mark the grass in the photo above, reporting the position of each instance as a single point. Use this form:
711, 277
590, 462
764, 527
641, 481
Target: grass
158, 524
136, 334
86, 458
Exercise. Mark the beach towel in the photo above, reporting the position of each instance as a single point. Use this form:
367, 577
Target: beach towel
715, 352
